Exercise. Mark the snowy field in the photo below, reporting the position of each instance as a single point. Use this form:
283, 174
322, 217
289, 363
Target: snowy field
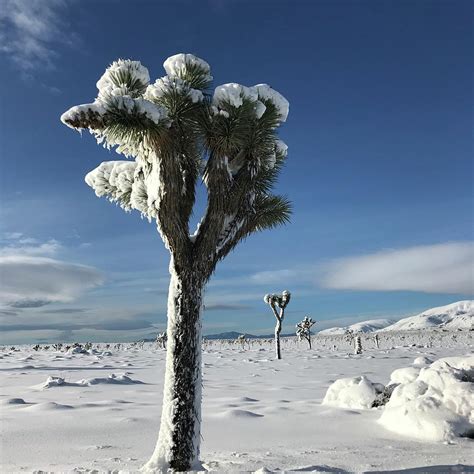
100, 410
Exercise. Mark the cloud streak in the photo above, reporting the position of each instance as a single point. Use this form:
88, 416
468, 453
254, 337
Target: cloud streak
442, 268
31, 31
31, 281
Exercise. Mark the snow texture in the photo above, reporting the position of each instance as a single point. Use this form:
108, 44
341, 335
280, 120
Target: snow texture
71, 114
164, 85
175, 66
112, 82
265, 92
234, 94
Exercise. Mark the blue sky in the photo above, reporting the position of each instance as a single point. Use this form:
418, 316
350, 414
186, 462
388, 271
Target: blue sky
379, 167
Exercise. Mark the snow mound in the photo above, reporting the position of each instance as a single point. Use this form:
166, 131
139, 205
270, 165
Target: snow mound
422, 361
364, 326
46, 406
355, 392
237, 413
13, 401
123, 379
112, 378
453, 316
437, 405
405, 375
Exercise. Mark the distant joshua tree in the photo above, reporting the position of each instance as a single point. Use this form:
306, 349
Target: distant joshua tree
353, 338
161, 339
358, 345
278, 303
242, 340
303, 329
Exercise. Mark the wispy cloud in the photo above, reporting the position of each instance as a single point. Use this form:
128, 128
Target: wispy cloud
31, 247
30, 281
225, 307
31, 31
441, 268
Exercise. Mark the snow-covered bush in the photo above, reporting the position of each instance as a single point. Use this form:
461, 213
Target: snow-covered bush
161, 339
352, 392
303, 330
278, 303
433, 403
436, 405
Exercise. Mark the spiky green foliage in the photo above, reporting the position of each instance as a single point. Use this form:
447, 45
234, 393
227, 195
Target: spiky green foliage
231, 144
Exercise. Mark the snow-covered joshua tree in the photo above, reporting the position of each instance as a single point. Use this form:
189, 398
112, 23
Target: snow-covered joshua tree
303, 329
161, 339
278, 303
176, 131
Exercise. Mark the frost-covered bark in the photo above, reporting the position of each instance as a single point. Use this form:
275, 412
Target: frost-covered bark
175, 131
180, 429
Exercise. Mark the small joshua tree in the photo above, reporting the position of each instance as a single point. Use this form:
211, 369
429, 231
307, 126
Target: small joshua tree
357, 344
376, 340
161, 339
176, 131
242, 340
303, 329
278, 303
353, 338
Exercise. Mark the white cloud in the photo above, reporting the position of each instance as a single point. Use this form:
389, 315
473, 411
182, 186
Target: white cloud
30, 246
441, 268
29, 281
31, 30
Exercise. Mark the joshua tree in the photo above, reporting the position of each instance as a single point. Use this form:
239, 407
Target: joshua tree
303, 329
354, 338
278, 303
161, 340
242, 340
176, 131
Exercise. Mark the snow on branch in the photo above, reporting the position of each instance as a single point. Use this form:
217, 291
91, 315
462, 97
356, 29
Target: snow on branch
119, 182
190, 68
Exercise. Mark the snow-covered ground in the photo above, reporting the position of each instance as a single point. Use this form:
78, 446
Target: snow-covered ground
67, 412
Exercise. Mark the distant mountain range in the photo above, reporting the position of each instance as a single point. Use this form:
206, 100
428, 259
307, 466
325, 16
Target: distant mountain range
459, 315
453, 316
235, 335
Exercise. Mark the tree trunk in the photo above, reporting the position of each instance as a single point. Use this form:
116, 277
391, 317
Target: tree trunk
277, 339
180, 429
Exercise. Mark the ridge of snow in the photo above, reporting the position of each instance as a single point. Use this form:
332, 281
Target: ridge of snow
459, 315
364, 326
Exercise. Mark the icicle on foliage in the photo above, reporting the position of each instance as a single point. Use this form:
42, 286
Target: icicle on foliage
176, 131
303, 330
278, 303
